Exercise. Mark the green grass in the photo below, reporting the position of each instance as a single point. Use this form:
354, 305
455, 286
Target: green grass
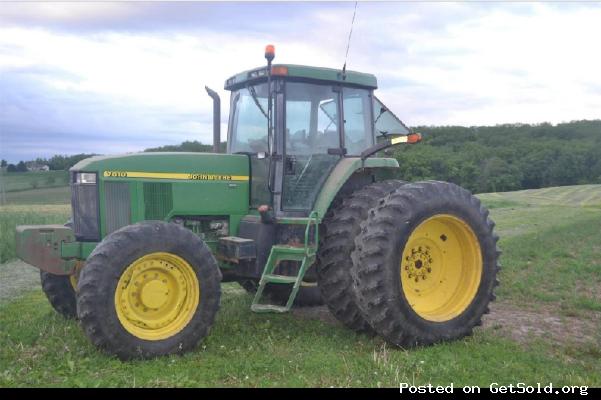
551, 261
13, 215
16, 181
561, 265
39, 348
54, 195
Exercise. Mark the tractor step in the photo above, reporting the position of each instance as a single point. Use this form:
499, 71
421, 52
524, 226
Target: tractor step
304, 254
272, 278
267, 308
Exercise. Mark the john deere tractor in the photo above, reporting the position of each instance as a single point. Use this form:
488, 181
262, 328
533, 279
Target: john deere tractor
300, 210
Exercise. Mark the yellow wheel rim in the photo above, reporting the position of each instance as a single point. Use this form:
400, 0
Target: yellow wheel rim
157, 295
441, 268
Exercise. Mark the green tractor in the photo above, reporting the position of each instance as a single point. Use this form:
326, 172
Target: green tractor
300, 211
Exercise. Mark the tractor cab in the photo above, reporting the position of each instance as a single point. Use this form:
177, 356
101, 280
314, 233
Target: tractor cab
296, 123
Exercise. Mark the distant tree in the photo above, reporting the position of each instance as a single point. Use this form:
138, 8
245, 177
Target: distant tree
191, 146
60, 163
11, 168
21, 167
3, 163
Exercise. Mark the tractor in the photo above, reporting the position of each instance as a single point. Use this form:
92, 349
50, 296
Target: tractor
302, 209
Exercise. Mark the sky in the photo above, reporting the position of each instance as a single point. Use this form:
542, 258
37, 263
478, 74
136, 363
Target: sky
116, 77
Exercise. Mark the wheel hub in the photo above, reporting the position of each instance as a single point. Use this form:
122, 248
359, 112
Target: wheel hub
418, 265
154, 294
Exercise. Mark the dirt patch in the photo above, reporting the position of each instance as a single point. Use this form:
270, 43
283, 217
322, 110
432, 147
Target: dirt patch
321, 313
17, 277
519, 324
545, 321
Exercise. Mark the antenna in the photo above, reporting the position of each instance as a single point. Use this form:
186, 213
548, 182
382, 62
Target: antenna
348, 43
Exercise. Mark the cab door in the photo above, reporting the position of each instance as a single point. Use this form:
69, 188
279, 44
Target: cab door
312, 145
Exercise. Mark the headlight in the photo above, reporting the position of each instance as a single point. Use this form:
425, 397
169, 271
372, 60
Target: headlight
85, 178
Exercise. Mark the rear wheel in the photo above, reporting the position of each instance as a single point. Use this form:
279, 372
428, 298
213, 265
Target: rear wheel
425, 264
334, 256
149, 289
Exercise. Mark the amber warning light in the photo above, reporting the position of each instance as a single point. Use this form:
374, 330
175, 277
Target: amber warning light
269, 52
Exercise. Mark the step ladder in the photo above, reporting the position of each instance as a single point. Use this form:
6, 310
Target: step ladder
305, 255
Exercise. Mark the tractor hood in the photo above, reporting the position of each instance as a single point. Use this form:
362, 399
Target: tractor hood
111, 192
173, 166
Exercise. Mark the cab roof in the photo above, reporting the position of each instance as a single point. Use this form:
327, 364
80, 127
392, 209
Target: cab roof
302, 72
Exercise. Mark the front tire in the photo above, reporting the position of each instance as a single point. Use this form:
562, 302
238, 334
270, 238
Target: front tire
425, 264
148, 290
60, 293
60, 289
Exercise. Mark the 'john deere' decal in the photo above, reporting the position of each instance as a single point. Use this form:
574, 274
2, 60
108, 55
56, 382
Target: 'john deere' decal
193, 176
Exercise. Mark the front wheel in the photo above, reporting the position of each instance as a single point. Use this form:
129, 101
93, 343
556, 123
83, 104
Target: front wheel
425, 264
147, 290
60, 291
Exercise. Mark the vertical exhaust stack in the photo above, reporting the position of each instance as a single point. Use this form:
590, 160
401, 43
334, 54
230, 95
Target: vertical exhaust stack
216, 119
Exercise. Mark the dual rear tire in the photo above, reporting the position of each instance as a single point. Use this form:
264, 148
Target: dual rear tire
422, 264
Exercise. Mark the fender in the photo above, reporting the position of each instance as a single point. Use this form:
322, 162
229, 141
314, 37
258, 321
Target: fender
345, 168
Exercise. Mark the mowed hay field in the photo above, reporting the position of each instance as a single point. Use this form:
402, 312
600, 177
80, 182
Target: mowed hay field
544, 327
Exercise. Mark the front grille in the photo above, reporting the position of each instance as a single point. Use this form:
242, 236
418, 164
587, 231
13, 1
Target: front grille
158, 200
84, 203
117, 203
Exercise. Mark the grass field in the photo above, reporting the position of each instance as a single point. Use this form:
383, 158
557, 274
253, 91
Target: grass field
545, 326
16, 181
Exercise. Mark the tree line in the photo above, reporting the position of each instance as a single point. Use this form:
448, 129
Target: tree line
54, 163
505, 157
480, 158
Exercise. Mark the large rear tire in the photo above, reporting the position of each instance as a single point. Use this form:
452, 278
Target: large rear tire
334, 254
147, 290
425, 264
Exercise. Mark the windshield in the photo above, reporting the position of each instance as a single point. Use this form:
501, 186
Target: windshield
248, 125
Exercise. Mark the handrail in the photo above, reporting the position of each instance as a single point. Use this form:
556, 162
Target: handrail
313, 218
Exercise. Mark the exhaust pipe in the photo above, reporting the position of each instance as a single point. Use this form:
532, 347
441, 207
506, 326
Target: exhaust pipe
216, 119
